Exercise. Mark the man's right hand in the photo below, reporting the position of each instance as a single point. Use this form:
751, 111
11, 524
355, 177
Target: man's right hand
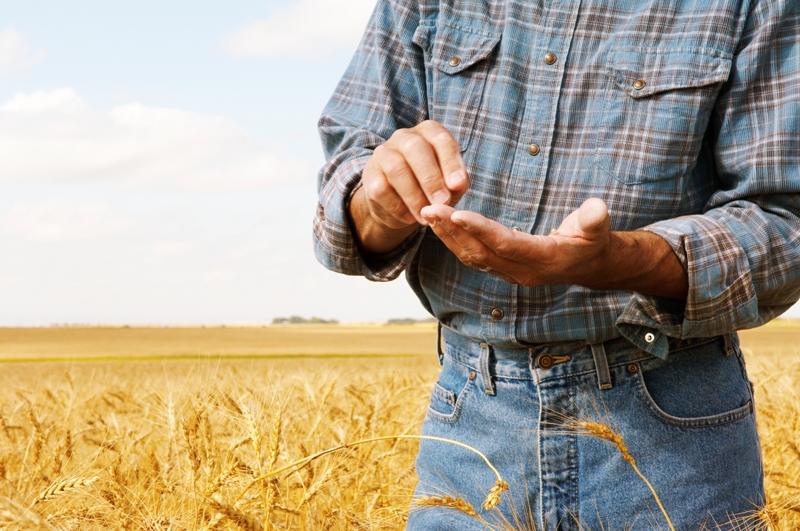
416, 167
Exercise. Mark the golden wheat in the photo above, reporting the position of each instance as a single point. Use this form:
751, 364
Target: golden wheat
169, 445
458, 504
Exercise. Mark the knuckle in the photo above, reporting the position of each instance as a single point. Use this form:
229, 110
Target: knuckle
376, 188
393, 164
442, 137
411, 142
398, 133
400, 138
431, 181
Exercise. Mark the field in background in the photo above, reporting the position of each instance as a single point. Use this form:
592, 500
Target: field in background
30, 344
169, 443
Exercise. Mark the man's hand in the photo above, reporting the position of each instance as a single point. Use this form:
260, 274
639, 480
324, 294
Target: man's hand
418, 166
583, 251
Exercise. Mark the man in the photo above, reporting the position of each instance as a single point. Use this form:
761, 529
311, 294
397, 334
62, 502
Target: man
591, 197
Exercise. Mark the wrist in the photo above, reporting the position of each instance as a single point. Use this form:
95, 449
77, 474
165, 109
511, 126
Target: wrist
639, 261
609, 266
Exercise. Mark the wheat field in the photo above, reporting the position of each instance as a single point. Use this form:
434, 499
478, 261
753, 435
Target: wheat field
154, 428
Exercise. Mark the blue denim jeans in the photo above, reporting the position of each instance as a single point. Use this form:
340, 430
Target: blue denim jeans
688, 422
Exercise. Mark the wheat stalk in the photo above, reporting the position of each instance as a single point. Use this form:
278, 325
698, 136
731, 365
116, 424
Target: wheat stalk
493, 498
63, 486
459, 504
605, 432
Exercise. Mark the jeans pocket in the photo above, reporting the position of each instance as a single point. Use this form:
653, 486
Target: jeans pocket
699, 386
451, 389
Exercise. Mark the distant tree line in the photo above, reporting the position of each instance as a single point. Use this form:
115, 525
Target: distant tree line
296, 319
408, 320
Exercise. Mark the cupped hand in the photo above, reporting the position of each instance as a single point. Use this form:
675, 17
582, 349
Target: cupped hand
572, 254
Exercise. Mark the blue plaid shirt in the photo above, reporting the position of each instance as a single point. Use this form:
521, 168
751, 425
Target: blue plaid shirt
683, 116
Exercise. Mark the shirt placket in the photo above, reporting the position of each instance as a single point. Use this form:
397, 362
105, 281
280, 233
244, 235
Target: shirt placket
549, 48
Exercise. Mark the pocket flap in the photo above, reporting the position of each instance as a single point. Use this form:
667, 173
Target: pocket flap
456, 48
644, 73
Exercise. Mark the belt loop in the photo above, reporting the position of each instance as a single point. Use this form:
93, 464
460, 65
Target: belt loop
439, 350
729, 345
488, 383
601, 365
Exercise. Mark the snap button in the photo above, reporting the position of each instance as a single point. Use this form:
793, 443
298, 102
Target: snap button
632, 368
497, 314
649, 337
545, 361
534, 149
472, 375
550, 58
639, 84
515, 228
454, 61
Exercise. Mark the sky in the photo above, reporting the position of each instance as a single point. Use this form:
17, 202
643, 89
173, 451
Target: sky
159, 162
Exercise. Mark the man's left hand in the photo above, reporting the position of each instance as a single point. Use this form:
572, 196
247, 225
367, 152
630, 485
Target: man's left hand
575, 253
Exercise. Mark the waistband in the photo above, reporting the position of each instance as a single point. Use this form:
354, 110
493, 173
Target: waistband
544, 361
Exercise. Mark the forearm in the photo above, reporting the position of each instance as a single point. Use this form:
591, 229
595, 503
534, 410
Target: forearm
372, 236
639, 261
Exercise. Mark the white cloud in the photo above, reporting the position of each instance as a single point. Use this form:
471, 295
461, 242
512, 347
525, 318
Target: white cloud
59, 100
62, 220
54, 134
15, 51
304, 28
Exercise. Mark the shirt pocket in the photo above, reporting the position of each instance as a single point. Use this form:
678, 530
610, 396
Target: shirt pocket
655, 112
457, 60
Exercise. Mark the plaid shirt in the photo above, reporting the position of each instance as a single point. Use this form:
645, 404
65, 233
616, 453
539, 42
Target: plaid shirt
683, 116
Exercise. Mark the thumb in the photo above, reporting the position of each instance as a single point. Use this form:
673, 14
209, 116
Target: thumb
593, 218
458, 183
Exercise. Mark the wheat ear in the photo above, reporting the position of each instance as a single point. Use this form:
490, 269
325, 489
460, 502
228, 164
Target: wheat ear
63, 486
493, 498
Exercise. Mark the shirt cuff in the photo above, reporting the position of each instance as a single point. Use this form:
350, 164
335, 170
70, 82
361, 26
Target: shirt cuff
335, 244
720, 299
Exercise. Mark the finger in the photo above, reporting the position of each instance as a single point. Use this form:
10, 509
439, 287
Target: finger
421, 158
593, 216
401, 178
383, 202
472, 251
436, 213
448, 153
506, 243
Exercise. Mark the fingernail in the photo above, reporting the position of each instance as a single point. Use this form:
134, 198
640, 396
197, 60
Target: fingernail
456, 179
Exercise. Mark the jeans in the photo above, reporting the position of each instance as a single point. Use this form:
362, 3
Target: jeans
688, 423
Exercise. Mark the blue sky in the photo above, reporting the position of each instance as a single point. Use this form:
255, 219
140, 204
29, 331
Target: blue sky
159, 162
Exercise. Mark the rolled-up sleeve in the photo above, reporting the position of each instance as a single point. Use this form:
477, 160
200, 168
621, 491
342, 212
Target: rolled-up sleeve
742, 254
383, 89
